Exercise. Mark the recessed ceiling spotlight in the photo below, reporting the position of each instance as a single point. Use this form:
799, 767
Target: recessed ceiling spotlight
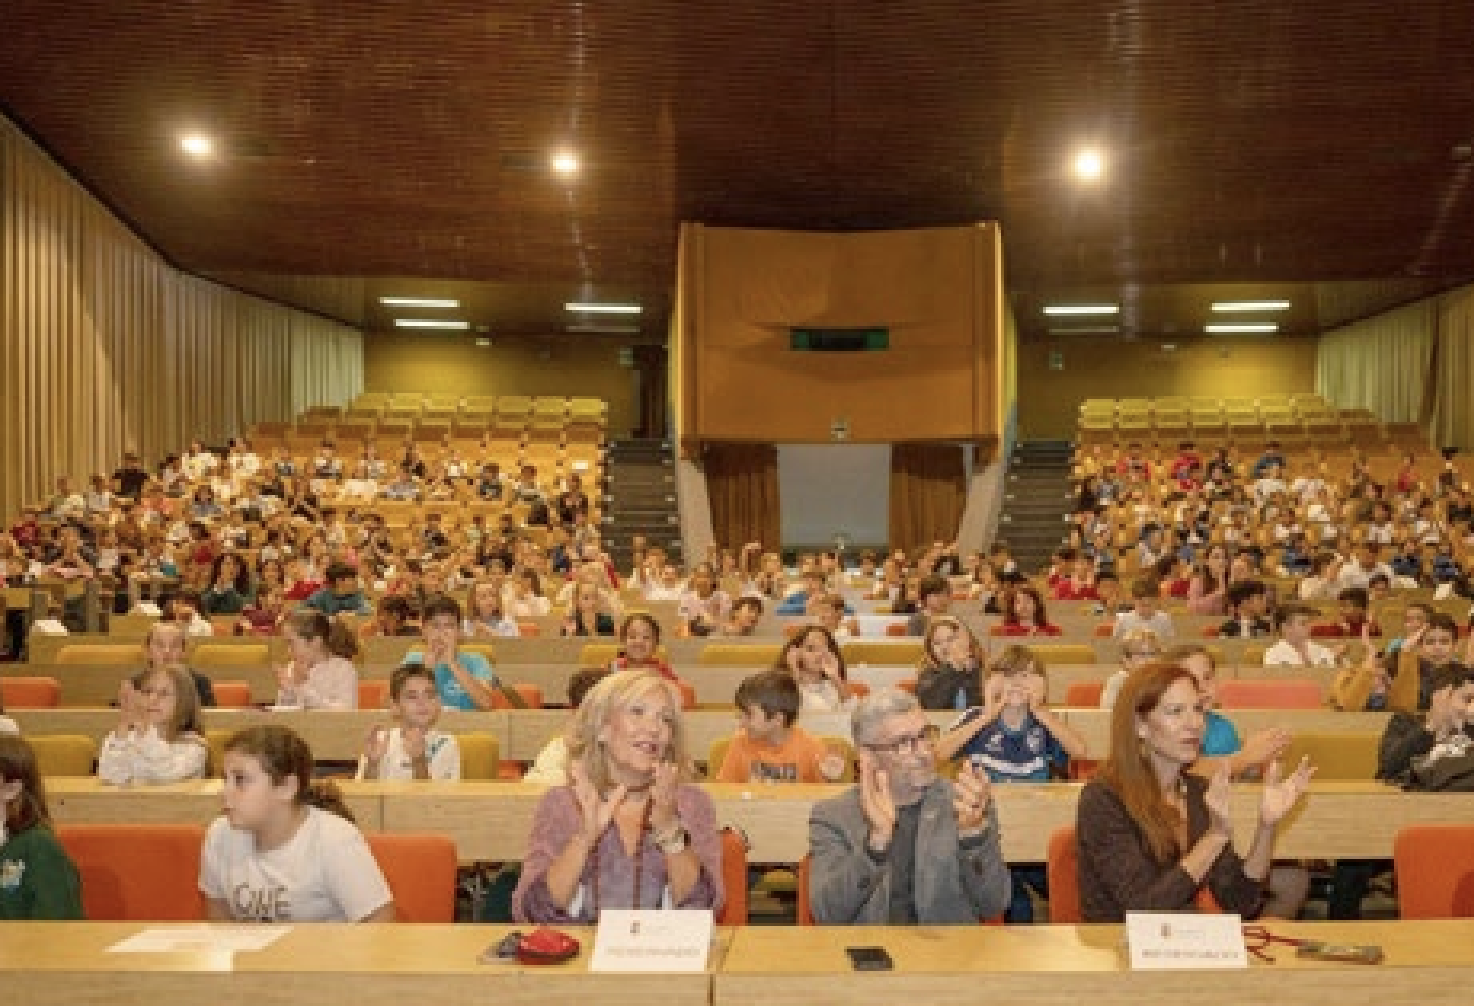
1089, 164
197, 145
564, 162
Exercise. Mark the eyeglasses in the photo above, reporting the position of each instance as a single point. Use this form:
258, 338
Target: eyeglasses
911, 743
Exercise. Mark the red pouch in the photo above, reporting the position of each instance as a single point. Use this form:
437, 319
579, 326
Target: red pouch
546, 946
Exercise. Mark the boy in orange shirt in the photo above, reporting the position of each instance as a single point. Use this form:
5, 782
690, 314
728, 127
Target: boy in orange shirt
767, 746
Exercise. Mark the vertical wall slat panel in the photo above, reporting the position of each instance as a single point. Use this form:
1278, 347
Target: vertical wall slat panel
105, 348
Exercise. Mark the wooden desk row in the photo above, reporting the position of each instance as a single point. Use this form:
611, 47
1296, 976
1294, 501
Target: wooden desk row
550, 647
715, 684
521, 734
491, 821
62, 964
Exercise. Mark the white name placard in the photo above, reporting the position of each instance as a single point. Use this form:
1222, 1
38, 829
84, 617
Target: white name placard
1166, 940
652, 940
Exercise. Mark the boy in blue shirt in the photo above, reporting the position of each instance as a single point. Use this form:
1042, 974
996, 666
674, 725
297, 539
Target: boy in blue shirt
1014, 737
464, 680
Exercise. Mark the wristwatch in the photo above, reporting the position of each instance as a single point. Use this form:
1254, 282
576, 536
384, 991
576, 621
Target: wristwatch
673, 841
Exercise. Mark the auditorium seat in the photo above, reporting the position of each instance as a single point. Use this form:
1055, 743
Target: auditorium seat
1084, 694
64, 754
137, 872
1434, 868
230, 655
100, 654
1270, 693
29, 693
1336, 756
734, 878
373, 694
740, 654
421, 872
232, 694
1062, 871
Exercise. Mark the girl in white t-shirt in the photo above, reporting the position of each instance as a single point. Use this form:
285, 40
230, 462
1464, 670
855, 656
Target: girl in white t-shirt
286, 849
413, 749
157, 739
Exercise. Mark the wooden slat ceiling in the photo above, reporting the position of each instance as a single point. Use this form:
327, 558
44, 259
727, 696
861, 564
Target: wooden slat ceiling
1253, 142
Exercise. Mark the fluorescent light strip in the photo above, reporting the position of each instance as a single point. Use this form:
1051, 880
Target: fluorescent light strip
1086, 330
1231, 306
1071, 310
1254, 326
595, 328
459, 326
417, 302
584, 307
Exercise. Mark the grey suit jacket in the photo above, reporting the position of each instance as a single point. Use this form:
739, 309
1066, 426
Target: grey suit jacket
955, 883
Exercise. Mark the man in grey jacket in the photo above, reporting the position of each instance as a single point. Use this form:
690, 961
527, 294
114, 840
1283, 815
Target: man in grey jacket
905, 846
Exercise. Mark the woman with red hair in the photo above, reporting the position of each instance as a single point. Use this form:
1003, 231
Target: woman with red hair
1152, 836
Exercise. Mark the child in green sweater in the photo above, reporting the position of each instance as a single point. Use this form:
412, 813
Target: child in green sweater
37, 878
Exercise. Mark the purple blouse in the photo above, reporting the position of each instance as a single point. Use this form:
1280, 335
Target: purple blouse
558, 819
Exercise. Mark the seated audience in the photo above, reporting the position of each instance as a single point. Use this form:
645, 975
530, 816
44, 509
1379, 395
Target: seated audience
320, 673
1026, 615
628, 831
40, 881
157, 739
164, 646
639, 646
550, 768
340, 595
813, 658
1014, 737
905, 846
286, 849
1409, 740
1151, 834
1138, 649
1145, 612
934, 597
952, 662
464, 679
743, 618
412, 748
1295, 647
1402, 682
768, 746
1248, 601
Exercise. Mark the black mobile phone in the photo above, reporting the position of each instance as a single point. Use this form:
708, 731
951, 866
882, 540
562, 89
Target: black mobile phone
869, 958
1344, 953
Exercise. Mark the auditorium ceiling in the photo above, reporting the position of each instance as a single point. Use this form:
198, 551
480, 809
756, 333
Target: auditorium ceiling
1318, 150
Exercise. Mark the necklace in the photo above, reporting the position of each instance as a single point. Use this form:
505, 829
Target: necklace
639, 858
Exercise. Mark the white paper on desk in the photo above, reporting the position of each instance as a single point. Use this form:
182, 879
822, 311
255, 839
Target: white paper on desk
652, 940
200, 939
1159, 941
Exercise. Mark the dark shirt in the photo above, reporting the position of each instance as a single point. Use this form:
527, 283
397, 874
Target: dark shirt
949, 687
130, 481
903, 865
1118, 873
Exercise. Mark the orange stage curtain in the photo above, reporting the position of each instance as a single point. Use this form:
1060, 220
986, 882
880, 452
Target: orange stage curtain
742, 484
928, 490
